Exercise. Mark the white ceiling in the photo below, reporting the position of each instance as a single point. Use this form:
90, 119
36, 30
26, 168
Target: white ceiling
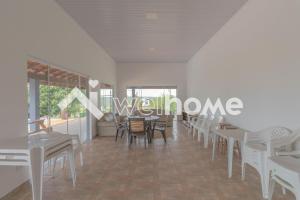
121, 27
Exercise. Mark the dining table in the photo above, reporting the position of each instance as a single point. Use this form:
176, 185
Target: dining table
32, 151
150, 121
232, 135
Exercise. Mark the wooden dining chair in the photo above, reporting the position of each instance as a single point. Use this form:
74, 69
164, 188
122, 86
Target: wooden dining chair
137, 128
121, 126
161, 126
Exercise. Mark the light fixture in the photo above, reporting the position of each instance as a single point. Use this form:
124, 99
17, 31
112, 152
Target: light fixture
151, 16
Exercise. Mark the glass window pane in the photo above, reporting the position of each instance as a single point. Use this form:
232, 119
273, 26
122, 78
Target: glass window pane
152, 98
47, 87
37, 86
58, 90
83, 112
106, 100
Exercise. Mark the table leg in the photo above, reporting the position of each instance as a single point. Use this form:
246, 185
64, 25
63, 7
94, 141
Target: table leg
149, 133
36, 172
153, 129
72, 165
215, 138
242, 149
230, 156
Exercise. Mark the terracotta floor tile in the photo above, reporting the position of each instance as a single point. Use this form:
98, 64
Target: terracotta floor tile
179, 170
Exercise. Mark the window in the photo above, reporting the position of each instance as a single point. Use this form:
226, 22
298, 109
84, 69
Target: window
106, 100
151, 98
47, 86
130, 97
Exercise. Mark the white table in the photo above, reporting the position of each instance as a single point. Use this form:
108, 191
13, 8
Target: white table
232, 135
33, 151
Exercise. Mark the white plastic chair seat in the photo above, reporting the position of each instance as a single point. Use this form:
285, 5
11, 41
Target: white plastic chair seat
285, 170
77, 149
288, 163
257, 146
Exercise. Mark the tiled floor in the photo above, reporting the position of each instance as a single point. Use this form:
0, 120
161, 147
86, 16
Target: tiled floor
180, 170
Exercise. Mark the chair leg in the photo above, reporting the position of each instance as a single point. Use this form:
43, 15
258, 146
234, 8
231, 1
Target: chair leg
164, 135
145, 140
63, 163
243, 170
215, 139
54, 166
271, 190
194, 133
72, 166
117, 134
81, 158
150, 135
205, 140
122, 133
224, 146
199, 136
219, 143
264, 179
131, 138
283, 190
297, 194
239, 150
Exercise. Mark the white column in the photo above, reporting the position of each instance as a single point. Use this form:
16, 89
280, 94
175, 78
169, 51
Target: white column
34, 108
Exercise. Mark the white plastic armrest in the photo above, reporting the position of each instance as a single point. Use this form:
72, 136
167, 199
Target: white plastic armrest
292, 153
287, 140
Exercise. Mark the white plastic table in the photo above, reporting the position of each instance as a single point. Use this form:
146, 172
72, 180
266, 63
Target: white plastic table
33, 151
232, 135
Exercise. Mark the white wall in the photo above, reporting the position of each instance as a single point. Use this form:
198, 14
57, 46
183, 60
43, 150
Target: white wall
151, 74
41, 29
255, 57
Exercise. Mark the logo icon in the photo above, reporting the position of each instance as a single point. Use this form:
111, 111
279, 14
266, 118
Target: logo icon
81, 97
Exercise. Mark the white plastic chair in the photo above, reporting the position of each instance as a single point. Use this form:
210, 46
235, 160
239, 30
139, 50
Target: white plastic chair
196, 121
192, 122
285, 170
190, 119
199, 126
205, 128
285, 167
77, 149
259, 146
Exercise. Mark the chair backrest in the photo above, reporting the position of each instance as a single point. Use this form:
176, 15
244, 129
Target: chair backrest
273, 138
203, 122
216, 120
137, 125
117, 120
296, 143
212, 121
199, 119
163, 119
268, 134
